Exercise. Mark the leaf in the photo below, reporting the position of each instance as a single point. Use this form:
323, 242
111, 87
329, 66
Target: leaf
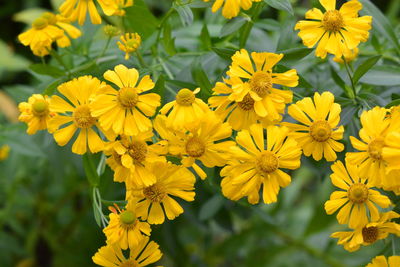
185, 13
139, 19
364, 67
182, 84
211, 207
205, 38
382, 76
224, 53
168, 41
393, 103
245, 33
90, 169
45, 69
381, 23
52, 87
29, 15
338, 80
201, 78
232, 26
159, 87
294, 54
284, 5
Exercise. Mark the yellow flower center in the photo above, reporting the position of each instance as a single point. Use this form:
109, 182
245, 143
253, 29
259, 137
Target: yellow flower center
195, 147
247, 103
40, 108
261, 83
132, 44
332, 21
358, 193
127, 217
128, 97
39, 23
154, 193
82, 117
129, 263
50, 17
267, 163
185, 97
138, 150
375, 148
320, 131
370, 234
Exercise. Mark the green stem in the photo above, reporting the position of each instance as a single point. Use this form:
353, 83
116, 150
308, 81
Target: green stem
105, 48
141, 60
350, 77
249, 25
60, 60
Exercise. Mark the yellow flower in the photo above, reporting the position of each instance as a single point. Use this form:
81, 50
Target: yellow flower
380, 261
240, 115
121, 110
131, 155
130, 43
356, 198
143, 254
185, 109
172, 180
4, 151
77, 9
124, 228
121, 5
375, 126
35, 113
111, 31
258, 162
369, 233
335, 30
40, 36
76, 113
318, 129
231, 8
348, 54
257, 71
203, 142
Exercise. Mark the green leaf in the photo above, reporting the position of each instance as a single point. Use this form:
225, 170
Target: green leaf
205, 38
185, 13
232, 26
382, 76
380, 23
49, 70
29, 15
338, 80
159, 88
168, 41
52, 87
139, 19
182, 84
295, 54
224, 53
284, 5
364, 67
201, 78
90, 169
393, 103
245, 33
211, 207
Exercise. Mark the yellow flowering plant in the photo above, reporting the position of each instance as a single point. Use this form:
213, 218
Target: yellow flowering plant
202, 133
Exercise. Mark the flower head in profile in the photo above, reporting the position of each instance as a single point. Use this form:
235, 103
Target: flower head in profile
124, 110
381, 261
4, 152
335, 31
35, 113
317, 131
239, 114
122, 4
130, 156
186, 109
369, 233
73, 114
231, 8
203, 142
375, 126
143, 254
156, 201
76, 10
355, 199
130, 42
260, 82
124, 228
259, 162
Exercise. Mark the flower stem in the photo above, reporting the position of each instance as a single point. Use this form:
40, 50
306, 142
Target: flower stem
105, 48
350, 77
141, 60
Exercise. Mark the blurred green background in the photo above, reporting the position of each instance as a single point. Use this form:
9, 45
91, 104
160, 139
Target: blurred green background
46, 214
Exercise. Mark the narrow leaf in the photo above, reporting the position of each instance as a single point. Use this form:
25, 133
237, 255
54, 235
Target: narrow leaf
284, 5
90, 170
364, 67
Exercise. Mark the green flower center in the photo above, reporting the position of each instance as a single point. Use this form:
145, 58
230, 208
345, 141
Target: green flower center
267, 162
128, 97
261, 83
185, 97
127, 217
40, 23
50, 17
195, 147
320, 131
332, 21
358, 193
40, 108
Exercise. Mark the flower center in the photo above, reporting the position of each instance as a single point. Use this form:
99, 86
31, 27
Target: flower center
128, 97
132, 44
320, 131
358, 193
40, 108
39, 23
137, 150
82, 117
332, 21
261, 83
195, 147
50, 17
154, 193
370, 234
129, 263
375, 148
127, 217
185, 97
247, 103
267, 163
